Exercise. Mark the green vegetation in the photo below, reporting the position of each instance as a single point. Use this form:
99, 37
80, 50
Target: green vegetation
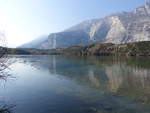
109, 49
98, 49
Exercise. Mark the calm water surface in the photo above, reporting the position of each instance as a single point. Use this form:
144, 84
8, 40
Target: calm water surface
58, 84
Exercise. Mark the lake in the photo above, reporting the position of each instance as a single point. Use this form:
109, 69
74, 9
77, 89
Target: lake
63, 84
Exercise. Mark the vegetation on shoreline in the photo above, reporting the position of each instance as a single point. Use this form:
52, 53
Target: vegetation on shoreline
98, 49
109, 49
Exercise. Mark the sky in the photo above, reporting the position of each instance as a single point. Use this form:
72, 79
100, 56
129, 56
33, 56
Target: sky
25, 20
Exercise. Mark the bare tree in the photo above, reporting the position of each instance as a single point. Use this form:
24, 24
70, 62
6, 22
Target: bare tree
4, 64
4, 60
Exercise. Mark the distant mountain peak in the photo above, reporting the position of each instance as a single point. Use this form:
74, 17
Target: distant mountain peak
143, 10
147, 3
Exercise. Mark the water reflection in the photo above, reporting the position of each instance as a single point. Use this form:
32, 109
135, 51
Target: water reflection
88, 84
4, 108
120, 76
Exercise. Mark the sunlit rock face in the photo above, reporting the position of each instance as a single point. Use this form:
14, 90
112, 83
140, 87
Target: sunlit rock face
118, 28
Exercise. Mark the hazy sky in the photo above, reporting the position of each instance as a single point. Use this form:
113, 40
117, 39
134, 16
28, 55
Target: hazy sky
25, 20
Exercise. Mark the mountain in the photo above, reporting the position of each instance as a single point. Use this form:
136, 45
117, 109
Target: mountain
34, 43
117, 28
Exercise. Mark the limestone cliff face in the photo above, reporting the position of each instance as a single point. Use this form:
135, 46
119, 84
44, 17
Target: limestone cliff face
137, 24
118, 28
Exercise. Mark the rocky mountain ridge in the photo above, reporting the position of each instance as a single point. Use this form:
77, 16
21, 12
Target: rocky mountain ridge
117, 28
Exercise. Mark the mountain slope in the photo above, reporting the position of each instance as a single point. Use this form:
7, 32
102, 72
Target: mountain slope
34, 43
118, 28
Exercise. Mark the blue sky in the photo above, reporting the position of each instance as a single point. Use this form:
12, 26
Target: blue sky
25, 20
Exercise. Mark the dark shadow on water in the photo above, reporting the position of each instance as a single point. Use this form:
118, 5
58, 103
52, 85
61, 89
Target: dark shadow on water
6, 108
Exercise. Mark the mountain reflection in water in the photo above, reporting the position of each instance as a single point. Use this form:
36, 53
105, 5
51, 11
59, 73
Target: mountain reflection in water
81, 84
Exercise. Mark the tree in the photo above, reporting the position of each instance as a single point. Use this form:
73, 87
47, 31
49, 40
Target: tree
4, 60
4, 64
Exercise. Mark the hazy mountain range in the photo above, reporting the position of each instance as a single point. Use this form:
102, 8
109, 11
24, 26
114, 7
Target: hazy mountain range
117, 28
